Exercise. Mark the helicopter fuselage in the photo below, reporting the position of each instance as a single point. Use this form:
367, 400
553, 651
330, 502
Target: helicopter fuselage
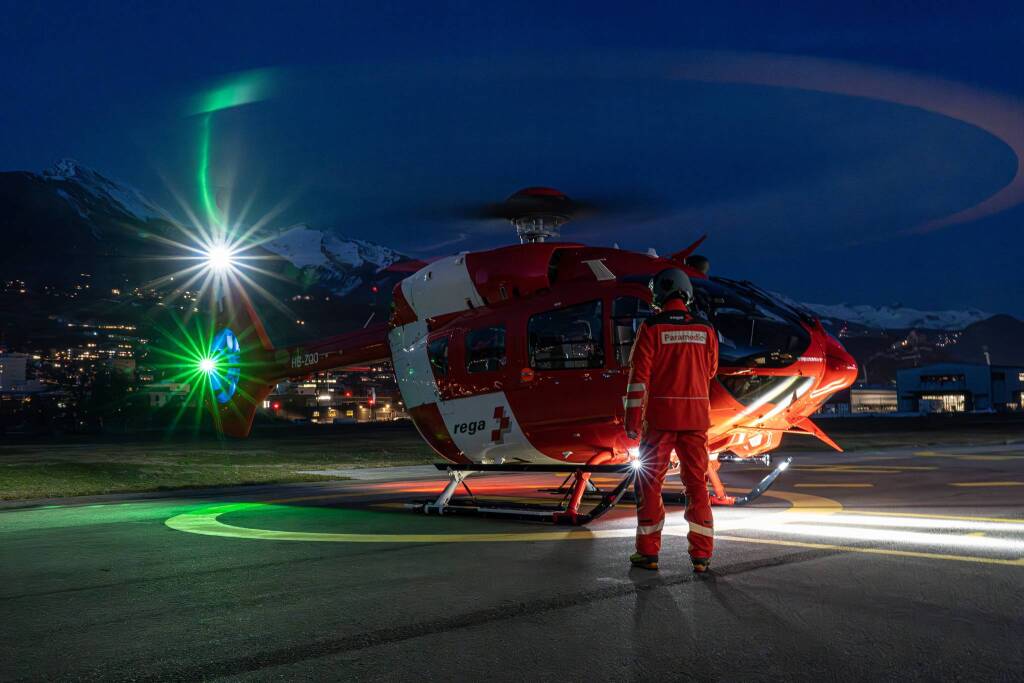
521, 355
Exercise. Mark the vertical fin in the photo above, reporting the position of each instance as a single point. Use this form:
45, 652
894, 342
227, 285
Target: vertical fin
681, 256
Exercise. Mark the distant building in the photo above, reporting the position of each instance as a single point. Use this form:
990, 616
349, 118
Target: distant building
960, 387
162, 393
125, 366
12, 370
860, 401
873, 400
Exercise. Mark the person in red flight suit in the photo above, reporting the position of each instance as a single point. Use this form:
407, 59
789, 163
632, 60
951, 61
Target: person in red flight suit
674, 358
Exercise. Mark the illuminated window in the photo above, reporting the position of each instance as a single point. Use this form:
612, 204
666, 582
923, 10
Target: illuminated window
943, 403
942, 379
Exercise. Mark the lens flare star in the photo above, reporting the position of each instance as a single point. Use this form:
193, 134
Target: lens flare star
219, 258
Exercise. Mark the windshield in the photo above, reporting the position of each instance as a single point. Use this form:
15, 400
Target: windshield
753, 331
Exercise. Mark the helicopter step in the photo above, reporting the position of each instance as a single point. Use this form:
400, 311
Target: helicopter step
567, 512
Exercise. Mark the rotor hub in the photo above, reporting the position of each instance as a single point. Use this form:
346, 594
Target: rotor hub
538, 213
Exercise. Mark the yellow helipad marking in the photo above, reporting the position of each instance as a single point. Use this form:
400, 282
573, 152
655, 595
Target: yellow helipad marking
875, 551
985, 484
988, 457
968, 456
206, 522
833, 486
864, 469
927, 516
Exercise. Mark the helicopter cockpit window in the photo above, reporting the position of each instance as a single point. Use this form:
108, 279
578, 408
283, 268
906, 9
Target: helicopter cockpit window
628, 312
485, 349
568, 338
437, 351
752, 330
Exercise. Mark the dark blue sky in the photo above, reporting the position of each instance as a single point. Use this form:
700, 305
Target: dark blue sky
383, 115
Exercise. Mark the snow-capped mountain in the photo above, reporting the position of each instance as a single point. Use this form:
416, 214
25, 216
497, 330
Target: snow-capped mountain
341, 264
890, 317
73, 215
88, 192
898, 317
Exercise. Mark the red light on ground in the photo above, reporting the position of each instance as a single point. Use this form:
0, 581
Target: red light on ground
374, 289
276, 406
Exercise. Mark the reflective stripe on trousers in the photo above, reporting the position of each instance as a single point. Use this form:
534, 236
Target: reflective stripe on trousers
702, 530
650, 529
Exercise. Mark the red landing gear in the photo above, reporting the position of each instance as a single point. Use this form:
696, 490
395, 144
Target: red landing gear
719, 496
573, 490
566, 512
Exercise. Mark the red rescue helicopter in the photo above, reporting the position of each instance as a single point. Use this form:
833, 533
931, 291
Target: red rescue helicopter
516, 359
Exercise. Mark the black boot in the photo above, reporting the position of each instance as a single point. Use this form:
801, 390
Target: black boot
644, 561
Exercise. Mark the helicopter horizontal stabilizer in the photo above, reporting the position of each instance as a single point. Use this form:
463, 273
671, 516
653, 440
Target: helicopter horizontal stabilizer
805, 425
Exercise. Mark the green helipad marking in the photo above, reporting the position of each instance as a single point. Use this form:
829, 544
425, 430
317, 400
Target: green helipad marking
58, 517
206, 521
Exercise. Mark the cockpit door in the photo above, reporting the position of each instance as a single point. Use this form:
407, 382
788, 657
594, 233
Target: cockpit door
440, 350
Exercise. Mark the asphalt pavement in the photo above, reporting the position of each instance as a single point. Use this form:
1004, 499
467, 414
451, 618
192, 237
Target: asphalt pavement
888, 564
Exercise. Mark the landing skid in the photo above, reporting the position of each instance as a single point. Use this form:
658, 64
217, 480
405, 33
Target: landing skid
566, 512
755, 492
679, 498
573, 490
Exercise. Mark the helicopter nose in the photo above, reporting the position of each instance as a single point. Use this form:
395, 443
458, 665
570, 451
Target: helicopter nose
840, 367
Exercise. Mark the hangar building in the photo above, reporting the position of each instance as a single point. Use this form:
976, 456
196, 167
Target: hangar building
960, 387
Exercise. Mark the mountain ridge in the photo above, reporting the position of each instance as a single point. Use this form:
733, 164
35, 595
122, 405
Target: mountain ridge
91, 211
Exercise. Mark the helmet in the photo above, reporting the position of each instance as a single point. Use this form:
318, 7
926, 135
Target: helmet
671, 283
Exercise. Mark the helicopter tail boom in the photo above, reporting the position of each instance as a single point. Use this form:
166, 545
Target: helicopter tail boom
250, 366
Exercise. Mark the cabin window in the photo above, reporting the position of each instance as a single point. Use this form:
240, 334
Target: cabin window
437, 351
485, 349
628, 313
568, 338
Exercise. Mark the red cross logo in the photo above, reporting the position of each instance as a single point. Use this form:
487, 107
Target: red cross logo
504, 425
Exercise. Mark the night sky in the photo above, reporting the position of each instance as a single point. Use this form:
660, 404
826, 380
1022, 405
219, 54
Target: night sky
774, 130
